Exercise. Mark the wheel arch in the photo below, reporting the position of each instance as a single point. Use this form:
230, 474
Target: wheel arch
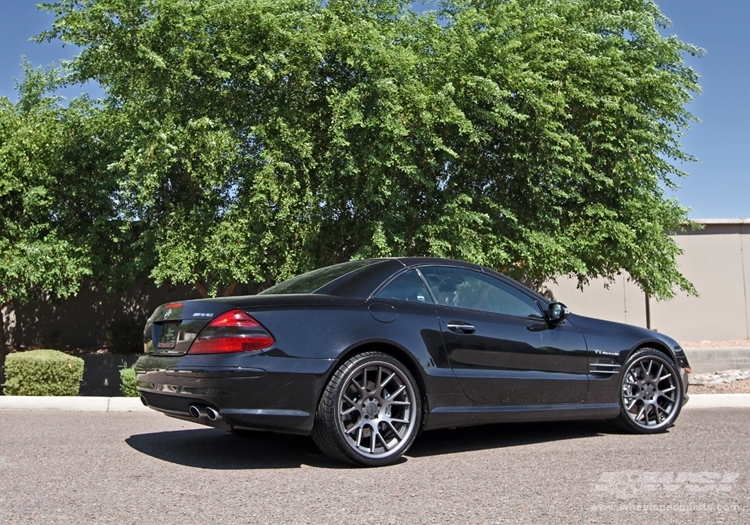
666, 350
655, 345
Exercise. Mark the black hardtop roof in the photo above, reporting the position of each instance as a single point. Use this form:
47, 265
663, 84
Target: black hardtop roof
362, 282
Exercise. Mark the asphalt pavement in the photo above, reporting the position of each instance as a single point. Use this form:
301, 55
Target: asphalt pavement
70, 467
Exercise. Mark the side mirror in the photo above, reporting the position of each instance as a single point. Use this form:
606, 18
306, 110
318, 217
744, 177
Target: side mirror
557, 313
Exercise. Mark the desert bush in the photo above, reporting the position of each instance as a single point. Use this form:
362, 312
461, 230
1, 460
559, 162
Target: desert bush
42, 373
127, 382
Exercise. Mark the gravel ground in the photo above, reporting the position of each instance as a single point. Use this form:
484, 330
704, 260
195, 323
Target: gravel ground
735, 387
725, 382
733, 343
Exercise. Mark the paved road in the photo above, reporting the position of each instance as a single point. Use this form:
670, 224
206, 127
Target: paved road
130, 468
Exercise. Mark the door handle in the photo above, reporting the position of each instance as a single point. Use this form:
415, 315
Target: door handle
460, 326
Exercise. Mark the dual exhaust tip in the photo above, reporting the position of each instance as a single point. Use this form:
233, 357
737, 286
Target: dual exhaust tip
198, 412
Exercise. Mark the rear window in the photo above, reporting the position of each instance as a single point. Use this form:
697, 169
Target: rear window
406, 287
311, 281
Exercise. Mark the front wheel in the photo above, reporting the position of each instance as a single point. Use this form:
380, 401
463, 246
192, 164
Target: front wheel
650, 393
370, 411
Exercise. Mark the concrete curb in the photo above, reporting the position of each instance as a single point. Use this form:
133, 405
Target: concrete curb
133, 404
73, 403
718, 401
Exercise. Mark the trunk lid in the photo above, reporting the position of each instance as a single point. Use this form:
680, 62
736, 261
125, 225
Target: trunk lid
172, 327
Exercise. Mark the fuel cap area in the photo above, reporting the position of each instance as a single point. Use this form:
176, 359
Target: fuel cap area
385, 313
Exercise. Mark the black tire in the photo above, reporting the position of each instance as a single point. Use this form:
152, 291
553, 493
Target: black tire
650, 393
370, 411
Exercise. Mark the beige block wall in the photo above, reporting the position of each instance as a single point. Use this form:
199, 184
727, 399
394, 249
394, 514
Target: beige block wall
618, 301
714, 260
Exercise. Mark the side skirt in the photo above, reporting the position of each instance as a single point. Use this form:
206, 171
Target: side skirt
465, 416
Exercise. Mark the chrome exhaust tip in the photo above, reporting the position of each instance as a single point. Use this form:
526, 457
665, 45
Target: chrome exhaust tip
212, 413
195, 411
143, 400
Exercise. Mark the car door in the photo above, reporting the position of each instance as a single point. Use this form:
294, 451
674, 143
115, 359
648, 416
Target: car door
499, 344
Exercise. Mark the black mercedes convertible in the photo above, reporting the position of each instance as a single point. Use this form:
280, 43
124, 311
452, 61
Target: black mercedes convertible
367, 354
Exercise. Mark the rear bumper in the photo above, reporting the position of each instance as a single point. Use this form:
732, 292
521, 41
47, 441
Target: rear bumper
247, 390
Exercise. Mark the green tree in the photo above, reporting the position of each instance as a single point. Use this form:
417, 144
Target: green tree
579, 106
261, 138
58, 212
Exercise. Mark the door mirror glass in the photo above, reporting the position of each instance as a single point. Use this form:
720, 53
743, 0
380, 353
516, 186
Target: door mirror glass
557, 312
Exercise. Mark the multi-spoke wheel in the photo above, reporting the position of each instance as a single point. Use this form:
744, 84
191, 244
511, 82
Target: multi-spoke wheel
650, 394
370, 411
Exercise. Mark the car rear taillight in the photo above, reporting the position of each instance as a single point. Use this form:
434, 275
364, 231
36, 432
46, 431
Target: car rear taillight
232, 331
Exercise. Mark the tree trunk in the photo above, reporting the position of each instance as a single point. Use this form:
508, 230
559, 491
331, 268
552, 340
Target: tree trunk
229, 290
2, 344
201, 289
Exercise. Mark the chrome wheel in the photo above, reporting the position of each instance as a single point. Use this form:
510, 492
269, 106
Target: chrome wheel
369, 412
651, 392
376, 409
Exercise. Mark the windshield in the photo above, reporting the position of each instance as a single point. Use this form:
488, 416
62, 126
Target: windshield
316, 279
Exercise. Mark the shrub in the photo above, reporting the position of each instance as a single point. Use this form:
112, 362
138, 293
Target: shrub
42, 373
127, 382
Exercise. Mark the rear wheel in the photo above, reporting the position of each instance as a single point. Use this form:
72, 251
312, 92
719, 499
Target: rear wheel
650, 393
370, 411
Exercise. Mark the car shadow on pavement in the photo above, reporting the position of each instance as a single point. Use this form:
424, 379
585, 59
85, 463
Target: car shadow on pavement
216, 449
502, 435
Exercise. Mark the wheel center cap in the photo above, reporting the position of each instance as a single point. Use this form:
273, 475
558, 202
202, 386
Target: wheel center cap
648, 391
371, 408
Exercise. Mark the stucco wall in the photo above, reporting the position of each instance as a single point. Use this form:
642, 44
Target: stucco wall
713, 260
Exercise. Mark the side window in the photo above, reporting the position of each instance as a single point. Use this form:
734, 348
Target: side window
477, 291
406, 287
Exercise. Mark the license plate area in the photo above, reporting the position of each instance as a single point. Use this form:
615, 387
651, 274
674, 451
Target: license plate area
168, 337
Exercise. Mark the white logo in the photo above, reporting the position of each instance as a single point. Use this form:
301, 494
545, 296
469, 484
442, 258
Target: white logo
630, 484
167, 313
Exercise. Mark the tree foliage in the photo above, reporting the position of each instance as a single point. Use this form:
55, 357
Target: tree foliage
58, 214
33, 254
255, 139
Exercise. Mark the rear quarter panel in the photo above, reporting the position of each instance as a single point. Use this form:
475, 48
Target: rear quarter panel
336, 333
